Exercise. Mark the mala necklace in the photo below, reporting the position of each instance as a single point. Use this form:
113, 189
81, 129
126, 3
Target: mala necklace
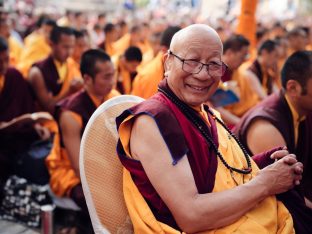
198, 122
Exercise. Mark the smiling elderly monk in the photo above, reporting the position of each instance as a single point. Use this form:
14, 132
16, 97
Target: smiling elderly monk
184, 170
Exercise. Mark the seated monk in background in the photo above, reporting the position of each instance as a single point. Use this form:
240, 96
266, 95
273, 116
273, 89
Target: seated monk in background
73, 114
36, 45
146, 81
262, 75
82, 44
15, 100
126, 69
285, 118
15, 49
184, 170
52, 79
235, 53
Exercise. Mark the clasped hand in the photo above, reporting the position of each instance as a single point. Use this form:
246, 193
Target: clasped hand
283, 174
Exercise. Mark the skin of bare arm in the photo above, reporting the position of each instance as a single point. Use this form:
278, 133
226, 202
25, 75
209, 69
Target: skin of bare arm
71, 137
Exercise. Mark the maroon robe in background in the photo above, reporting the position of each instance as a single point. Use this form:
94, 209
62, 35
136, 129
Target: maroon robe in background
50, 75
15, 100
275, 109
79, 103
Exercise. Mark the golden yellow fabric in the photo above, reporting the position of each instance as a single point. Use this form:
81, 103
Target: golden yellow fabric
15, 51
146, 81
123, 76
269, 216
296, 118
109, 48
70, 75
248, 98
121, 44
36, 48
75, 67
247, 21
62, 69
62, 176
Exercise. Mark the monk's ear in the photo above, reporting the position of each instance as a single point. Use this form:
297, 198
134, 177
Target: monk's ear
293, 88
167, 62
87, 79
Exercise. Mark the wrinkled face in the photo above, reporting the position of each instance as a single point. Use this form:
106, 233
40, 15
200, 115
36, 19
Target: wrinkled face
64, 48
103, 81
194, 89
131, 66
4, 62
81, 46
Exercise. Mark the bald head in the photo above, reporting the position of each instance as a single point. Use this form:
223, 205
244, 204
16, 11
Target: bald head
195, 33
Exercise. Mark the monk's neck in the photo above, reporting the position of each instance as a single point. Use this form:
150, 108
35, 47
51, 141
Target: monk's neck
262, 63
295, 106
91, 93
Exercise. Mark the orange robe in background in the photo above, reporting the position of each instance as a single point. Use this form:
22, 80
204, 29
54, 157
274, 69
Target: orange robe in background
146, 82
36, 48
247, 98
75, 67
15, 51
247, 24
121, 44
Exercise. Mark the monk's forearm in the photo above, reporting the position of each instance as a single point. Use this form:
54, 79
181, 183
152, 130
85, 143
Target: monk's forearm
216, 210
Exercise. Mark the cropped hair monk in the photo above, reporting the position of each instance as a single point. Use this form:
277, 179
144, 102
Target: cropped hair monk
184, 169
52, 79
285, 118
73, 114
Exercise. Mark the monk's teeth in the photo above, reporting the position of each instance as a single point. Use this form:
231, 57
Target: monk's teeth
197, 88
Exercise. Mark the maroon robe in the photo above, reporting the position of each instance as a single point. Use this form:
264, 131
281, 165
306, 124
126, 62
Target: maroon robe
50, 75
181, 137
15, 100
79, 103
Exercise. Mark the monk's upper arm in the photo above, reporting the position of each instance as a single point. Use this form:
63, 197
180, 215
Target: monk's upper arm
37, 83
70, 129
255, 84
174, 183
263, 136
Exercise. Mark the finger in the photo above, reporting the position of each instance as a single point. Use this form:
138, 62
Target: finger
279, 154
298, 168
290, 159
